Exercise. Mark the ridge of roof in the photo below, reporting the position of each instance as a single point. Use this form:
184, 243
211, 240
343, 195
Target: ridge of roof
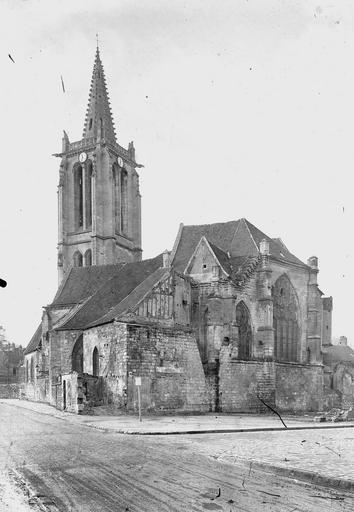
276, 248
245, 222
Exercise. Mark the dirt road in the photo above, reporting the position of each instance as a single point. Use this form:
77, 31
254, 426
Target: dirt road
75, 468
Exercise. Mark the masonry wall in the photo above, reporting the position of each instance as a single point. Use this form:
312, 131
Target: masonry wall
299, 387
73, 393
111, 343
60, 362
10, 390
242, 382
168, 362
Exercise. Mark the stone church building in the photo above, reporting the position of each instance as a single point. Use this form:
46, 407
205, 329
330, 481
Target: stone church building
227, 320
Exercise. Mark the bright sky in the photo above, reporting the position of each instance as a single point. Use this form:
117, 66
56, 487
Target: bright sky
236, 108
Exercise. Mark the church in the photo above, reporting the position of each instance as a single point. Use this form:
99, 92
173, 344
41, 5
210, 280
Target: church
228, 320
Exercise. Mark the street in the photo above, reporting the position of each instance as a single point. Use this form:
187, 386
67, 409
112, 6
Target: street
73, 467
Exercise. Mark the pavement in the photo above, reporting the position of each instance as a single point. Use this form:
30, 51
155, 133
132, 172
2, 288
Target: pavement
69, 467
208, 423
320, 453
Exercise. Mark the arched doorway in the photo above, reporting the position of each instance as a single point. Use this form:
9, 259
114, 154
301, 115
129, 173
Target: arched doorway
244, 327
77, 356
285, 320
95, 362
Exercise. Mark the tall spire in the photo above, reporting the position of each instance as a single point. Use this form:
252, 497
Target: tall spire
98, 121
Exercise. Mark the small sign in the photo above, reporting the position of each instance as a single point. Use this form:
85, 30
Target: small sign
138, 381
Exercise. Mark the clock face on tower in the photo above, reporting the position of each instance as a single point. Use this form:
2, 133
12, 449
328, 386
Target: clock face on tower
82, 157
120, 161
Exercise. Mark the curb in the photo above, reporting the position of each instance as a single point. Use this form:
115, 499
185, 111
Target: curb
129, 431
307, 476
213, 431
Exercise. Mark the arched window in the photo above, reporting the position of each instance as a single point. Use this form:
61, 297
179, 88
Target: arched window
88, 195
285, 320
78, 197
124, 201
88, 258
244, 331
32, 369
77, 259
116, 196
95, 362
77, 362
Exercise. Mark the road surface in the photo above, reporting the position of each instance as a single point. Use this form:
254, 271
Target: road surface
72, 467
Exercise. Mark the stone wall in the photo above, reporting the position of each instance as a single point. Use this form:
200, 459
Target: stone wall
72, 398
242, 382
299, 387
111, 343
10, 391
168, 362
60, 362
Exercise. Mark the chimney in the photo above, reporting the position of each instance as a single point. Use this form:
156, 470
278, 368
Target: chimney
313, 262
343, 340
166, 258
264, 247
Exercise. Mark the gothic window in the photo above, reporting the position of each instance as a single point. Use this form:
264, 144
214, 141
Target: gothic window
123, 201
285, 320
95, 362
244, 331
78, 197
88, 195
101, 128
77, 363
116, 198
77, 259
88, 258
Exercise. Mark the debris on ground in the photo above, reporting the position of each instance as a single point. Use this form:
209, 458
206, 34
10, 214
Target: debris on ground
335, 414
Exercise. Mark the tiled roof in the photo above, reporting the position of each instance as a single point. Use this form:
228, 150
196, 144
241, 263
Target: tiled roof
240, 238
337, 354
82, 282
220, 234
111, 293
277, 248
35, 341
222, 257
131, 300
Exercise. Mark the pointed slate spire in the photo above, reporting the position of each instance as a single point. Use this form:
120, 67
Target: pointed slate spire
99, 122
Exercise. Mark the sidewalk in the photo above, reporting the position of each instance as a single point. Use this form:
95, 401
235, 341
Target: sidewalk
318, 453
181, 424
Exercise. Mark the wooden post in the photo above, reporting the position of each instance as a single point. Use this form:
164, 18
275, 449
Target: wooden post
138, 384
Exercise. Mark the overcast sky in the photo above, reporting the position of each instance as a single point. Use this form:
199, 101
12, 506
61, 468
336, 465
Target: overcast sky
236, 108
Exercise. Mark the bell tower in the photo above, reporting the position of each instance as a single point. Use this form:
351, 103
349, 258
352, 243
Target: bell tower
98, 193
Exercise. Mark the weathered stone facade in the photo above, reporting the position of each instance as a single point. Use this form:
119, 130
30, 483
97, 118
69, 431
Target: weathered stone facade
230, 320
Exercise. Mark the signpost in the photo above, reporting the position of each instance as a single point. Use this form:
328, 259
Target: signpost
138, 384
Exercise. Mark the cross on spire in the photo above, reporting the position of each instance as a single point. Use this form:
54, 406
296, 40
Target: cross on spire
99, 121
